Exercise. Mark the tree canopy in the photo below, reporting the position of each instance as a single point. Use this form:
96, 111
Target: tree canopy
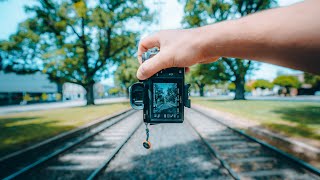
263, 84
312, 79
74, 40
287, 81
206, 74
125, 74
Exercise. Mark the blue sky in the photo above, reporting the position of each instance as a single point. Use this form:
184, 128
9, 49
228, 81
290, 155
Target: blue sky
171, 12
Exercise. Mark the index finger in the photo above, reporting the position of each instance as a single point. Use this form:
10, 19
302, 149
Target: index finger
147, 43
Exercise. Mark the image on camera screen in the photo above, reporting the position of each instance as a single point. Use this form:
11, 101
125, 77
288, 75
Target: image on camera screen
165, 100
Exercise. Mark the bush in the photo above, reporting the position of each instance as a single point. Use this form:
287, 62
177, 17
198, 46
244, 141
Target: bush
263, 84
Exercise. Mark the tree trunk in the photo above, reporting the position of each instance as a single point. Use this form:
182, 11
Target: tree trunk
288, 92
239, 82
90, 95
127, 92
201, 89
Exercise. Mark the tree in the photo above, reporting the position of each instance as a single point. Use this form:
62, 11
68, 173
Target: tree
203, 12
206, 74
125, 74
312, 79
231, 87
287, 82
263, 84
114, 91
247, 88
74, 40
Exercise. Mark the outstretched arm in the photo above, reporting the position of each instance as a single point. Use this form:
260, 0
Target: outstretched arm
288, 36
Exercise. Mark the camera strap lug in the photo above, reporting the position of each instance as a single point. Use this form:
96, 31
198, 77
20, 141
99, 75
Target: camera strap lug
146, 143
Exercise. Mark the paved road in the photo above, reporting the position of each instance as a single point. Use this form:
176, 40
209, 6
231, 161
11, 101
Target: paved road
55, 105
270, 98
46, 106
176, 153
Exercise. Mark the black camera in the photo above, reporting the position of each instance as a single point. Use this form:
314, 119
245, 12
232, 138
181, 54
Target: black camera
163, 96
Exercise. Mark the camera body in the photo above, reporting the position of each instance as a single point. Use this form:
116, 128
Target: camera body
163, 96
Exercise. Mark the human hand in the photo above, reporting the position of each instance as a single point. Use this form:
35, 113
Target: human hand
178, 48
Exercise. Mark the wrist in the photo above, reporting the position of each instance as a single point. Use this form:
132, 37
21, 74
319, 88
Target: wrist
209, 41
199, 43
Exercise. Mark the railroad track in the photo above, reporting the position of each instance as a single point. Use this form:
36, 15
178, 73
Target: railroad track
244, 156
85, 156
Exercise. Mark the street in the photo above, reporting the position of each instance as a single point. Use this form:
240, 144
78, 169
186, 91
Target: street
55, 105
271, 98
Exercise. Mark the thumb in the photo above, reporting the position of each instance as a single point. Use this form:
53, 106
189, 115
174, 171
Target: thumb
150, 67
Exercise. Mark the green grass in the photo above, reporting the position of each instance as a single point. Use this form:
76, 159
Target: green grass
297, 119
22, 129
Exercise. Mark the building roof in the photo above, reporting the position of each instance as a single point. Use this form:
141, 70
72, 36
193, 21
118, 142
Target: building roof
31, 83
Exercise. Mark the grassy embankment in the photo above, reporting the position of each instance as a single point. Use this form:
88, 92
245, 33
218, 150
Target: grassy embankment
295, 119
22, 129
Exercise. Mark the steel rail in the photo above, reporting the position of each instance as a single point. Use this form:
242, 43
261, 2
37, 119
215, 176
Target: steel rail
103, 166
285, 155
216, 154
61, 150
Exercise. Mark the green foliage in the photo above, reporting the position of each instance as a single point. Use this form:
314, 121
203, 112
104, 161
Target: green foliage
206, 74
287, 81
203, 12
74, 41
125, 75
248, 88
19, 54
263, 84
114, 91
231, 87
312, 79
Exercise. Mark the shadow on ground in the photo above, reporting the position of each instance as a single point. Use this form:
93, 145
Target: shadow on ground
308, 115
20, 132
189, 160
304, 118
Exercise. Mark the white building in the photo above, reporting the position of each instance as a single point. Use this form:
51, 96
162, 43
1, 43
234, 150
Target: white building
73, 91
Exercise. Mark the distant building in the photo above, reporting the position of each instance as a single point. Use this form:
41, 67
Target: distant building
20, 89
73, 91
35, 88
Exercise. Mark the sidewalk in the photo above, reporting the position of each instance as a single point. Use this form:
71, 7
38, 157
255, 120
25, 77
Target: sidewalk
54, 105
